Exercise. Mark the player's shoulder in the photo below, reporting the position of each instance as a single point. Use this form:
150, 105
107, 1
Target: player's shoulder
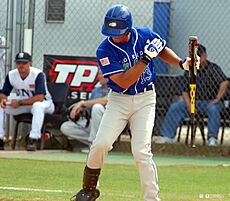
104, 48
104, 44
146, 32
35, 70
141, 29
13, 72
13, 75
211, 65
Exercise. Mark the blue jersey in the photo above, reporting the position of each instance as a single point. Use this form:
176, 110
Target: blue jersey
115, 58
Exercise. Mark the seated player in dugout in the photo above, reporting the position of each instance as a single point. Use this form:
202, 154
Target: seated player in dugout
32, 96
211, 84
81, 128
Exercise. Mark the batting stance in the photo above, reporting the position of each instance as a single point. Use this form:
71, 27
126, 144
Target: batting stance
126, 58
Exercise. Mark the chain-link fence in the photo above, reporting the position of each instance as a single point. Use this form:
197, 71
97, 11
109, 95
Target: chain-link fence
78, 33
3, 16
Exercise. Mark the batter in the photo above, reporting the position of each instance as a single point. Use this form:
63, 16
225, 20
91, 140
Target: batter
126, 59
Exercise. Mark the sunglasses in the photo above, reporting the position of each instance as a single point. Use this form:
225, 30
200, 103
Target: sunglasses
21, 62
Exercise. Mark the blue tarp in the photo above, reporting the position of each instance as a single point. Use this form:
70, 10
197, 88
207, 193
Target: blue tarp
161, 23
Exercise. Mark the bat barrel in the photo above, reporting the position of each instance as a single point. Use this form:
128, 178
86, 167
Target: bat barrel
193, 38
193, 41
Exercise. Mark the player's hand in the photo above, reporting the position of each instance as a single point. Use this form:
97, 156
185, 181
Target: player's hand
197, 64
187, 62
14, 103
215, 101
3, 103
76, 108
78, 104
75, 111
151, 50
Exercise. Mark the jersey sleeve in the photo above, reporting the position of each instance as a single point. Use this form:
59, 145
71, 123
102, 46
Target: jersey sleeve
40, 84
7, 87
219, 74
109, 65
153, 35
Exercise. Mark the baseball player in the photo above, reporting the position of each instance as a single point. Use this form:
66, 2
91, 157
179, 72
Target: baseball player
82, 130
126, 58
32, 96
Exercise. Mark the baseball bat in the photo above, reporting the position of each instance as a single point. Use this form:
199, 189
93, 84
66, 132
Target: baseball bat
193, 41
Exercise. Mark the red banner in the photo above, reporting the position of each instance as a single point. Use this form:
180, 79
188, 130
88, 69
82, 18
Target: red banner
79, 72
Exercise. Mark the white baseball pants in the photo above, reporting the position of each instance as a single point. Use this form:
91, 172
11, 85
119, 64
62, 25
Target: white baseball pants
38, 109
139, 111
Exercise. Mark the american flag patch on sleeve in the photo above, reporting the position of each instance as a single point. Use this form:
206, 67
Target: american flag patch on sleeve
105, 61
32, 86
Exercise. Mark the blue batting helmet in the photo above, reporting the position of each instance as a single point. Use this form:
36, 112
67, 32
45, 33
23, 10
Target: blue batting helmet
118, 20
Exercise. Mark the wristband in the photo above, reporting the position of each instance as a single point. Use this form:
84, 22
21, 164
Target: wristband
20, 102
181, 64
218, 98
83, 102
145, 59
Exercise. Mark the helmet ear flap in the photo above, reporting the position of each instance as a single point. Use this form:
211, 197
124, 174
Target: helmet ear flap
118, 21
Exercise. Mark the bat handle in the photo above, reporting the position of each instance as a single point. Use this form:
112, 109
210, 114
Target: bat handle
193, 131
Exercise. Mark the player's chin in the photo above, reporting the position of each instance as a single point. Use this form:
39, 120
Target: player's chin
23, 71
121, 37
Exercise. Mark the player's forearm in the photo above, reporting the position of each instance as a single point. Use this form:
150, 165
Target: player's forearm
186, 98
222, 90
170, 57
128, 78
3, 96
102, 101
32, 100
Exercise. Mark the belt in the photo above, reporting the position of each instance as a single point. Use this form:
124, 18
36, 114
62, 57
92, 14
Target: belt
150, 87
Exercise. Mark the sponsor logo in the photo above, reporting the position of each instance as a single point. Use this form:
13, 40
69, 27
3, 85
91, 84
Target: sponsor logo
21, 55
80, 75
112, 24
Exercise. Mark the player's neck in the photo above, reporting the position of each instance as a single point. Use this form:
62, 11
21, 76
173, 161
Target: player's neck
24, 75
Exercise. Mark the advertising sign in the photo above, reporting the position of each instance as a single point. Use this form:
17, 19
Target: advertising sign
79, 72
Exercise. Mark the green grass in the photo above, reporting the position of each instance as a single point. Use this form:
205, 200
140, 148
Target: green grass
181, 181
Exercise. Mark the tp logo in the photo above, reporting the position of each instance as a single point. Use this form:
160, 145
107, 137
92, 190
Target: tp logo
80, 75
